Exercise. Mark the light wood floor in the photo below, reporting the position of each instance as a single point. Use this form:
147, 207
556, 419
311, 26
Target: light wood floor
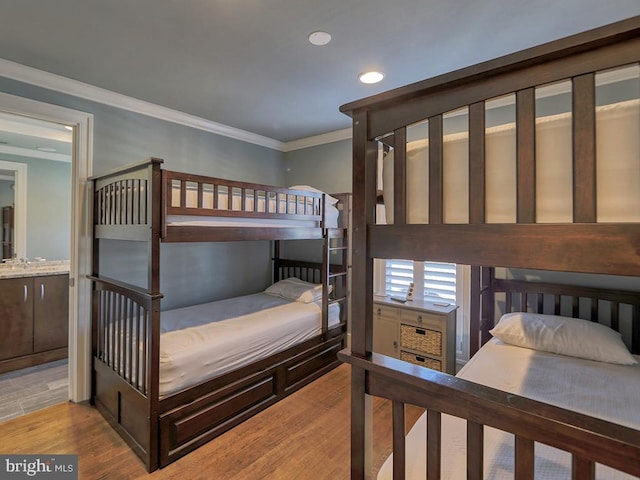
305, 436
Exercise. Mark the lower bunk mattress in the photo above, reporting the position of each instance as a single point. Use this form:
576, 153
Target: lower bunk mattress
598, 389
203, 341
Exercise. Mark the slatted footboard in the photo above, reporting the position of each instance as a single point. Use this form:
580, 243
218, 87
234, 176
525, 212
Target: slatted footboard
587, 439
126, 329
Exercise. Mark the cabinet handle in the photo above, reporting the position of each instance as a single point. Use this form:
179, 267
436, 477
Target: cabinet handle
395, 344
42, 291
420, 318
24, 287
379, 311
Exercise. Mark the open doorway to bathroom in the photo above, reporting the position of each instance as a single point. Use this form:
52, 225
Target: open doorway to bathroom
35, 206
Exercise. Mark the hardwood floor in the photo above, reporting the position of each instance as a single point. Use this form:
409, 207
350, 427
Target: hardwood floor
30, 389
305, 436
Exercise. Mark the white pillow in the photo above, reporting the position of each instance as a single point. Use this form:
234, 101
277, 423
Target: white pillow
297, 290
329, 200
564, 336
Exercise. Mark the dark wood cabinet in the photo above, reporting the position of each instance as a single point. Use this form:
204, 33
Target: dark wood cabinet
50, 312
16, 317
34, 320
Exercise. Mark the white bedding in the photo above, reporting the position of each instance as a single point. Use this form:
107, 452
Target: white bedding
203, 341
300, 208
618, 178
598, 389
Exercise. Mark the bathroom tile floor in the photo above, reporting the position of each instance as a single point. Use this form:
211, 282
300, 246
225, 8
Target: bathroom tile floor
30, 389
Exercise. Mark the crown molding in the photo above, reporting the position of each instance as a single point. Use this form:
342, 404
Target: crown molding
68, 86
329, 137
40, 78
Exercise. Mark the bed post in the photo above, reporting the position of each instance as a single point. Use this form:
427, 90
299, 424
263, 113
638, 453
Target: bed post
155, 174
364, 204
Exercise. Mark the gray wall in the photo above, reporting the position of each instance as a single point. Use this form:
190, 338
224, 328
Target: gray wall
326, 167
194, 272
6, 193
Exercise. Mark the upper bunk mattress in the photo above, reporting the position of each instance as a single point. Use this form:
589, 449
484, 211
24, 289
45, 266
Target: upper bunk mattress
203, 341
598, 389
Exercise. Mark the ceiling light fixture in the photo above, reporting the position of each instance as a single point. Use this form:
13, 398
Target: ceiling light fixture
370, 77
319, 38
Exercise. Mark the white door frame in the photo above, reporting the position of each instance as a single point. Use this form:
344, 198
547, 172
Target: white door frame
81, 243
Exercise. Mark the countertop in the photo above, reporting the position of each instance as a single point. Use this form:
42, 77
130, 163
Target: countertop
35, 269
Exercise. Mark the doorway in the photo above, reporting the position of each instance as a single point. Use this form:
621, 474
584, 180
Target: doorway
81, 125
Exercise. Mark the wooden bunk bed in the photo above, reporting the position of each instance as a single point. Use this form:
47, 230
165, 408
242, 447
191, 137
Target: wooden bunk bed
163, 420
589, 242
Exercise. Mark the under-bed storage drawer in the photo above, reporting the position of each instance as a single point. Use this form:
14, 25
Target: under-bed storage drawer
229, 400
187, 427
423, 340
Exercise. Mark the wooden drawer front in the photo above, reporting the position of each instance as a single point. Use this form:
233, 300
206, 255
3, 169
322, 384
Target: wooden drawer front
431, 363
414, 316
382, 311
421, 339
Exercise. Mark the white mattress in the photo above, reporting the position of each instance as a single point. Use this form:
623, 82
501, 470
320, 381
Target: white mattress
203, 341
603, 390
617, 175
299, 208
331, 221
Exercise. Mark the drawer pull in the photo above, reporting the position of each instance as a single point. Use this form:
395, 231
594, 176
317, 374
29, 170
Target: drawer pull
379, 311
420, 318
420, 331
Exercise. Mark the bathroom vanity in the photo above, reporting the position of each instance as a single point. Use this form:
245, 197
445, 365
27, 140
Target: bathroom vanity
34, 315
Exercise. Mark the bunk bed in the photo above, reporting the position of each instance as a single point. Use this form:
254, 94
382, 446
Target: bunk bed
169, 381
490, 209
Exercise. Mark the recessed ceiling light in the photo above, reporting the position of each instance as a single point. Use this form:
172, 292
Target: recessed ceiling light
319, 38
47, 149
370, 77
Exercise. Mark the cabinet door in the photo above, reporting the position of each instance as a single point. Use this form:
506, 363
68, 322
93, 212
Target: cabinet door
385, 330
16, 317
51, 312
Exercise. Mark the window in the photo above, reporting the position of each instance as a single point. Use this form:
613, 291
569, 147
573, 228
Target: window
432, 280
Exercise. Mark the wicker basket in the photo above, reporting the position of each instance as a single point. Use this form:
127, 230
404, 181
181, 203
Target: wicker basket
422, 361
421, 339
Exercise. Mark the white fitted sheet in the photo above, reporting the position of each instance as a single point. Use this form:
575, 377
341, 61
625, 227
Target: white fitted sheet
203, 341
331, 221
602, 390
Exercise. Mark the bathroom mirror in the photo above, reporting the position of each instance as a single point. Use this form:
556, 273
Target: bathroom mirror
35, 188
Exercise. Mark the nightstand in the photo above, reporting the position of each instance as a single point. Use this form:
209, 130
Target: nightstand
419, 332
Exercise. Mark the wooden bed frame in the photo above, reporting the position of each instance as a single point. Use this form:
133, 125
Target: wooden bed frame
132, 203
583, 246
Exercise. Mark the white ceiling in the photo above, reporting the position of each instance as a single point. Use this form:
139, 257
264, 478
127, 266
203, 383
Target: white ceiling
247, 63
